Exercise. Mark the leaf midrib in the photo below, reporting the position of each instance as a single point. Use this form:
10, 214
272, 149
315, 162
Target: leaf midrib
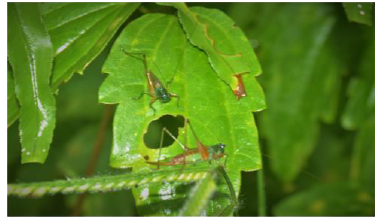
79, 16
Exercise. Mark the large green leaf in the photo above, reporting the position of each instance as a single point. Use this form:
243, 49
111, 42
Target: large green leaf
217, 116
228, 49
30, 54
80, 31
341, 199
298, 76
363, 158
13, 109
360, 12
361, 89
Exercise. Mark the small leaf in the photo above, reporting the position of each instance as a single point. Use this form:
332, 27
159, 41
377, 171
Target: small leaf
13, 109
360, 12
229, 51
341, 199
31, 56
80, 31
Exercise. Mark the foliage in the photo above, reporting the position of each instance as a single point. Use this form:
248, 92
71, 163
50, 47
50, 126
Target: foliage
317, 133
31, 56
360, 12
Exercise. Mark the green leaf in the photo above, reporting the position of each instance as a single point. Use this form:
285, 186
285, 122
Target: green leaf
30, 54
360, 12
13, 109
361, 89
226, 45
298, 82
363, 158
80, 31
341, 199
217, 116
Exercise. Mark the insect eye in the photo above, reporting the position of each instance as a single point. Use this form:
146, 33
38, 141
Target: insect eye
222, 147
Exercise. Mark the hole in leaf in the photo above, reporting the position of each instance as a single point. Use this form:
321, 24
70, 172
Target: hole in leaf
153, 135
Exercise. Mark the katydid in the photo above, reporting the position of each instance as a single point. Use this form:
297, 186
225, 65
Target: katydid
210, 153
201, 153
157, 91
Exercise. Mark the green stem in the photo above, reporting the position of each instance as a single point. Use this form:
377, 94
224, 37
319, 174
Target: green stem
106, 183
229, 210
261, 194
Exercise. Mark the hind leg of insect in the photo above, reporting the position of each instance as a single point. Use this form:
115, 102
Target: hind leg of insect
165, 130
141, 95
201, 147
151, 93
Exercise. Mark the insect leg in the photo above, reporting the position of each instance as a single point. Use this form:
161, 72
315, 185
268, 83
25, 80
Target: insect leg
161, 145
185, 132
136, 53
177, 97
201, 147
181, 145
151, 104
141, 95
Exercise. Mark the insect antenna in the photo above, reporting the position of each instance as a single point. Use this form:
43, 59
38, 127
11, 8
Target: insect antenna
175, 139
181, 56
161, 145
144, 60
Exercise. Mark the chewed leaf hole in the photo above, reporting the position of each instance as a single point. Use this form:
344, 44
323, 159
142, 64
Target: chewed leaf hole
152, 137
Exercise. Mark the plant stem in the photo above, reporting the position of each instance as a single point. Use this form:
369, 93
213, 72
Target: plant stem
107, 114
261, 194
